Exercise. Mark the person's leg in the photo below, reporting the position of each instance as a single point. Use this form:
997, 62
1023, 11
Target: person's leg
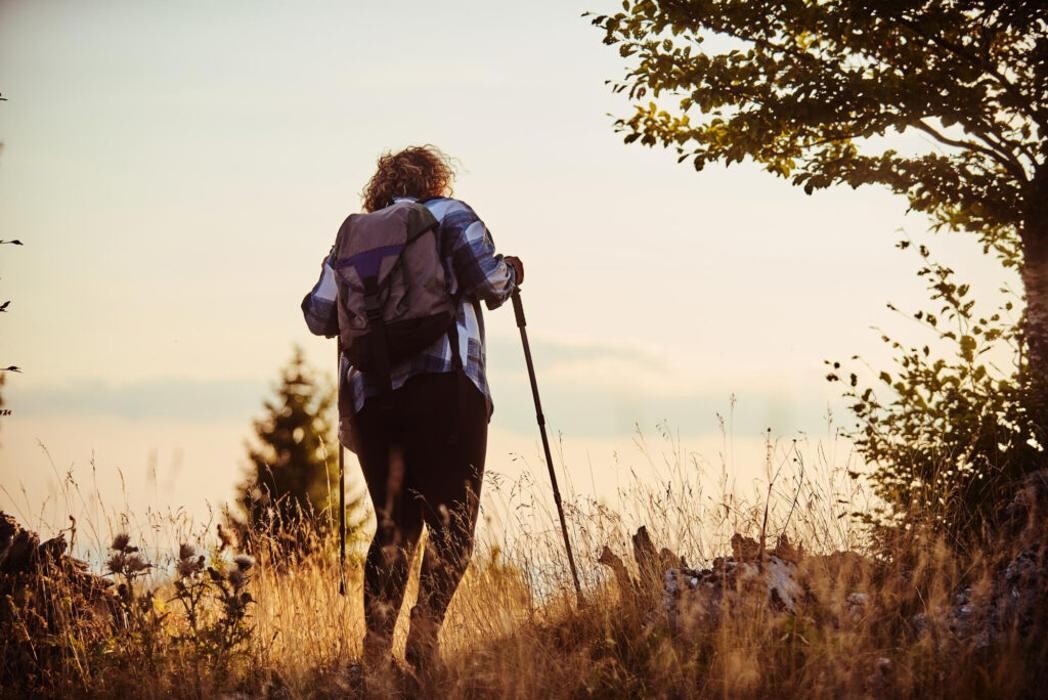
398, 526
445, 459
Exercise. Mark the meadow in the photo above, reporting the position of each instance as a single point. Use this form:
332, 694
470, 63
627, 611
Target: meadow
189, 615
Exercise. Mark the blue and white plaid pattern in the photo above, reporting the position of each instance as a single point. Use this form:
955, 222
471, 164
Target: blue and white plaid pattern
472, 267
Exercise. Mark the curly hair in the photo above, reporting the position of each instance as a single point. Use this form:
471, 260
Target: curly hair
417, 171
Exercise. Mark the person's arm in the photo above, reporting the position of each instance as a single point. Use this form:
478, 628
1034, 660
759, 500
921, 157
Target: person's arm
481, 272
319, 306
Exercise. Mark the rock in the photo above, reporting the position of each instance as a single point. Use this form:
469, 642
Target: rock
744, 548
614, 562
856, 605
785, 580
46, 595
696, 597
1016, 594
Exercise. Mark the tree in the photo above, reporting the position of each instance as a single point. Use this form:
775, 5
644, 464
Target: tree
290, 484
809, 85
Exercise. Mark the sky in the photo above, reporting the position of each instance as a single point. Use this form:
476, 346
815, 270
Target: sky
178, 170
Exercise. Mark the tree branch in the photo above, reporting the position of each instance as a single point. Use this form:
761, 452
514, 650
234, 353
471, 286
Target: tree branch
998, 143
1012, 167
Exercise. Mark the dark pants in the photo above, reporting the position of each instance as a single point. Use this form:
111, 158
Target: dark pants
422, 455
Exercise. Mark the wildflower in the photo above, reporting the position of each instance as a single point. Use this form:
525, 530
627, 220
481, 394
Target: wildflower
189, 566
244, 561
120, 542
237, 578
136, 562
187, 551
116, 562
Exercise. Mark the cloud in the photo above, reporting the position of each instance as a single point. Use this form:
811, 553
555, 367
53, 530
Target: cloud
597, 390
596, 411
589, 390
168, 398
556, 353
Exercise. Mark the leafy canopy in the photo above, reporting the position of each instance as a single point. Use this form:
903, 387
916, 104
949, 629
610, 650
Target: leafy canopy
808, 86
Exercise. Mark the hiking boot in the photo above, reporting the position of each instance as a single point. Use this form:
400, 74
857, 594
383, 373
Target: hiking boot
422, 650
378, 650
352, 681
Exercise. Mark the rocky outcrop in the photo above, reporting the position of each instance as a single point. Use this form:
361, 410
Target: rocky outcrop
1014, 599
48, 600
779, 578
698, 596
1010, 597
23, 556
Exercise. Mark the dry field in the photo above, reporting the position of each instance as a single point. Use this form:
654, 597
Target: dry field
878, 623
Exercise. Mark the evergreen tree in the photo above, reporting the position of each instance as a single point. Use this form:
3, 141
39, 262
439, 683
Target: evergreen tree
292, 480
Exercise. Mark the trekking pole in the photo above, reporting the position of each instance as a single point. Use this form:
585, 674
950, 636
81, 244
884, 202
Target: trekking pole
341, 488
518, 311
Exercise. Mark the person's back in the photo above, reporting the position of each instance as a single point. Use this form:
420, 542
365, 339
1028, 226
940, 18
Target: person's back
420, 433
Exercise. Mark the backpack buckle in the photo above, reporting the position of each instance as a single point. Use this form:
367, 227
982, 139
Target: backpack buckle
372, 307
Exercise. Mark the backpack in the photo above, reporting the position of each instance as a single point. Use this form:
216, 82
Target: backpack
393, 300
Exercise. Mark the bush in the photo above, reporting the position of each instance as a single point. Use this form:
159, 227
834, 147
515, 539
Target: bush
945, 436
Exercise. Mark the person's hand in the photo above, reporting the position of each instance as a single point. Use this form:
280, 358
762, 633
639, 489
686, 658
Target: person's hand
518, 268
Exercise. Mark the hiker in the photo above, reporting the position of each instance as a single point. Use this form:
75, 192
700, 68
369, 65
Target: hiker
418, 422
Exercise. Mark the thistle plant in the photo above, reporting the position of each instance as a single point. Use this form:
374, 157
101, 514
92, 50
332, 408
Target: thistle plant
126, 564
230, 630
143, 619
219, 590
190, 585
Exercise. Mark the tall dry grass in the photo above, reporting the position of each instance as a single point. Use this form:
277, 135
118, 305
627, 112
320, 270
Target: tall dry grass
515, 630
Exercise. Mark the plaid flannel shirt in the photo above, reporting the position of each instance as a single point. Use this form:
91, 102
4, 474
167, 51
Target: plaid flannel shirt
471, 266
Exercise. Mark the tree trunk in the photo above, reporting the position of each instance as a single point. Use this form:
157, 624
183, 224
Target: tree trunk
1035, 281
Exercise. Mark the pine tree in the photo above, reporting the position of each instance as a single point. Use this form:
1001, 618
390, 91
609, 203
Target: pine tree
290, 488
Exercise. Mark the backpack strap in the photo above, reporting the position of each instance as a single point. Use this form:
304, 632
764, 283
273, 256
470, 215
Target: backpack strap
377, 326
453, 337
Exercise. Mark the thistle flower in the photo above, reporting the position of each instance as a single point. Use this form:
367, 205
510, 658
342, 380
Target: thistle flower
237, 578
189, 566
136, 562
244, 561
115, 564
120, 541
187, 551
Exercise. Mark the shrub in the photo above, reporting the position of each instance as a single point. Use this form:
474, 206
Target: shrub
945, 432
